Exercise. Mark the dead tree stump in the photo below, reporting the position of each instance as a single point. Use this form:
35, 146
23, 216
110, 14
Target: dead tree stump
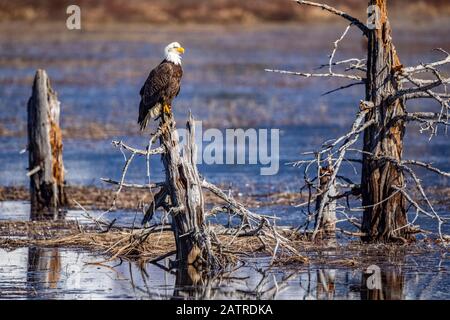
46, 169
184, 187
327, 222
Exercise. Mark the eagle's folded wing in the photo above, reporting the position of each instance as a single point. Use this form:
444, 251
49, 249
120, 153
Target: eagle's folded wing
151, 92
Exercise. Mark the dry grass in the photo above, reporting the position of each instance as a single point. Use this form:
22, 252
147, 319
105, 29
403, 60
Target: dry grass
87, 130
88, 196
5, 132
36, 229
131, 245
116, 243
136, 245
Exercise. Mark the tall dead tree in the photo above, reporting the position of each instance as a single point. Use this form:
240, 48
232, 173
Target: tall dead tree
46, 169
381, 118
385, 208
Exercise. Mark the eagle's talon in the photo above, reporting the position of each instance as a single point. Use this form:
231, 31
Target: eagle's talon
167, 109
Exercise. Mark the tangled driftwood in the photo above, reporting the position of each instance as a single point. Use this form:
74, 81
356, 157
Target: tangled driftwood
181, 197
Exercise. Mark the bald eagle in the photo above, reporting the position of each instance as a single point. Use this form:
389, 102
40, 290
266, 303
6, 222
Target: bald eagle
161, 86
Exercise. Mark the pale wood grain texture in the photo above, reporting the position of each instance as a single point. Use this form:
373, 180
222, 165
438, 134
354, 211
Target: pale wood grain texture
45, 150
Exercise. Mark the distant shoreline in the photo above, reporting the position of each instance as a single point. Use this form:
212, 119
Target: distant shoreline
412, 24
219, 12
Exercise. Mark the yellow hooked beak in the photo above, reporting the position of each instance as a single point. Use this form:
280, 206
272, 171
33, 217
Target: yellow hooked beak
180, 50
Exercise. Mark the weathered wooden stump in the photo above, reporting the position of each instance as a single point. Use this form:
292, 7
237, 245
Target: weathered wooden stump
327, 222
46, 169
184, 188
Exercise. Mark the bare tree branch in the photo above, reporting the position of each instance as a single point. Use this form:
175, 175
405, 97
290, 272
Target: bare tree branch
424, 67
134, 185
427, 166
337, 12
120, 144
309, 75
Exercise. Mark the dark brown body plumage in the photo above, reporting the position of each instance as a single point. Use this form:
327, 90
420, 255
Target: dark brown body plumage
160, 88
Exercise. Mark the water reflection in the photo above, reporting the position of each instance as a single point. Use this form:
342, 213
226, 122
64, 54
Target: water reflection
326, 284
243, 282
44, 268
57, 273
384, 281
63, 273
191, 284
54, 215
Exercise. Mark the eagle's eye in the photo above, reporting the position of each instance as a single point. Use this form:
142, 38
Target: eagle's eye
178, 49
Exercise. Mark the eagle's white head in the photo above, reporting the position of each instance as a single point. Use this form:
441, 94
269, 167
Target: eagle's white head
173, 52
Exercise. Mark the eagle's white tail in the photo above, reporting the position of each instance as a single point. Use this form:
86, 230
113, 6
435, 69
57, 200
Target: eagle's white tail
155, 111
151, 114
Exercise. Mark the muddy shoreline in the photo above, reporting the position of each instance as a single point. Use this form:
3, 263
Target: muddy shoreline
91, 197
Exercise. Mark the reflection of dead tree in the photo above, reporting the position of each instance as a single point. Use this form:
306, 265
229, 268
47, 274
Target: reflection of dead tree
381, 120
190, 285
43, 268
386, 282
326, 279
241, 282
181, 198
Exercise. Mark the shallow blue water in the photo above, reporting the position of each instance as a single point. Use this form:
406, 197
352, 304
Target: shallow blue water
98, 74
52, 273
